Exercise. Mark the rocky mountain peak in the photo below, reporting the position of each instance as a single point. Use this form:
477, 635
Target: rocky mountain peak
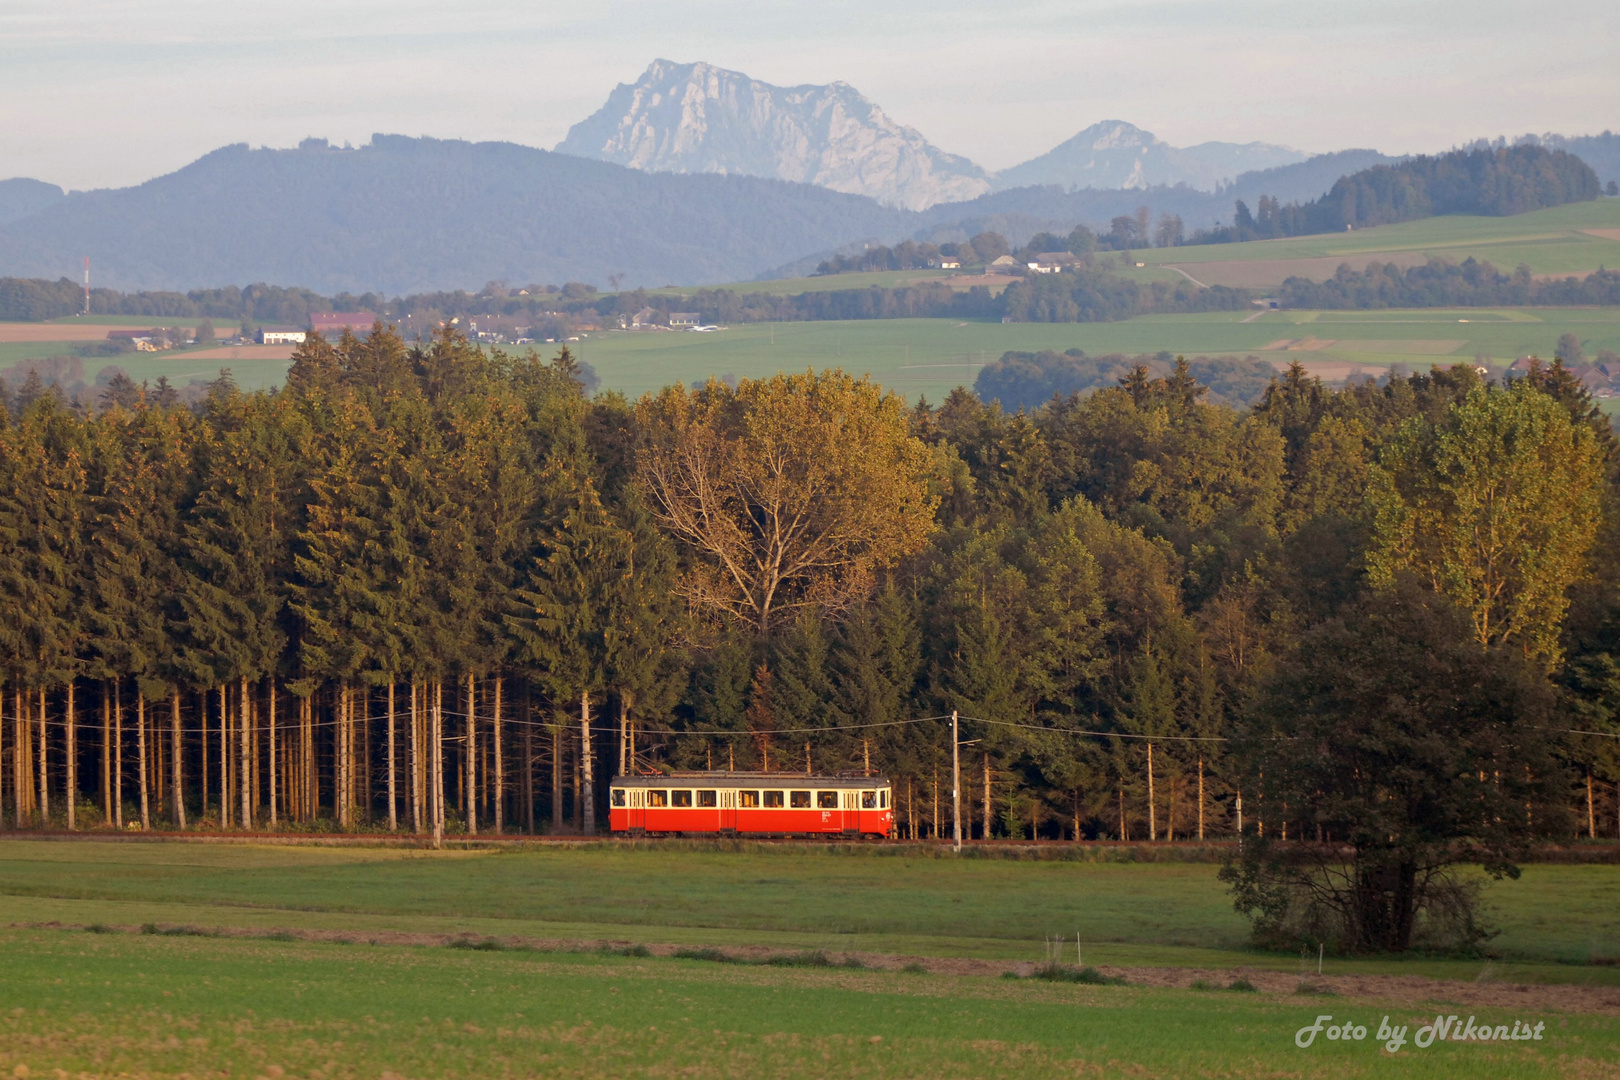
699, 118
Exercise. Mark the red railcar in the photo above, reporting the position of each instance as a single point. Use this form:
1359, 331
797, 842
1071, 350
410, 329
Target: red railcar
751, 803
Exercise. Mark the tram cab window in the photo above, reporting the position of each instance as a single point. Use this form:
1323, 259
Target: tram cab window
657, 798
707, 798
799, 800
883, 800
773, 798
827, 800
868, 800
748, 798
681, 798
618, 796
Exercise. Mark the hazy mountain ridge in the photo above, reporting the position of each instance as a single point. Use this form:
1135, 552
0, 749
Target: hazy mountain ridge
21, 197
401, 215
1115, 154
698, 118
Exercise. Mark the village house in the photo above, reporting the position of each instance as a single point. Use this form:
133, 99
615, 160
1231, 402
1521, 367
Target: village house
684, 320
282, 335
1051, 262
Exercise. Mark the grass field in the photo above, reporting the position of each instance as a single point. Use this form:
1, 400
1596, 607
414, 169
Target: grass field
103, 1005
883, 900
266, 1001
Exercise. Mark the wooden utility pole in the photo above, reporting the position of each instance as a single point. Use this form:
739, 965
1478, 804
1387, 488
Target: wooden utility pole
956, 781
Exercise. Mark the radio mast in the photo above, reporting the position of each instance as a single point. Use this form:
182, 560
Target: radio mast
87, 284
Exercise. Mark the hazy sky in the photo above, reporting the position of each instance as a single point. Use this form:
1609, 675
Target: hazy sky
98, 93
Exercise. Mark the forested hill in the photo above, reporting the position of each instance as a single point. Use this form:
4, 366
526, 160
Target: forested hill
403, 215
1490, 181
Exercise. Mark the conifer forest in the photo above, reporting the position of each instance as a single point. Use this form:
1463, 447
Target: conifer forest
437, 589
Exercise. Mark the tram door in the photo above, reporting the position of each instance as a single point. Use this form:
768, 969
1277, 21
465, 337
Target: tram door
728, 811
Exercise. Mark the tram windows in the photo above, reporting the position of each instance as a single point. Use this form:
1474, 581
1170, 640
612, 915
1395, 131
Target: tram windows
657, 798
749, 799
773, 798
799, 800
868, 800
618, 796
680, 798
883, 800
707, 798
827, 800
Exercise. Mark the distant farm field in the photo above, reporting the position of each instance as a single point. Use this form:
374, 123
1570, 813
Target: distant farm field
928, 357
1574, 239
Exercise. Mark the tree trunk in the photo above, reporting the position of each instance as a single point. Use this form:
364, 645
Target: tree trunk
556, 778
106, 755
177, 788
986, 796
44, 761
118, 755
528, 763
244, 735
470, 765
498, 790
72, 760
202, 757
393, 802
437, 750
140, 746
624, 732
367, 803
1591, 815
224, 760
1153, 817
417, 785
1200, 796
275, 774
588, 794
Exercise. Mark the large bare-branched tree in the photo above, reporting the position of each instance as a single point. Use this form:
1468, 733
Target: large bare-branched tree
790, 492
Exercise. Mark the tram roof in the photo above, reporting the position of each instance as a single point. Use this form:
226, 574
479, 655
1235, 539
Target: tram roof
722, 778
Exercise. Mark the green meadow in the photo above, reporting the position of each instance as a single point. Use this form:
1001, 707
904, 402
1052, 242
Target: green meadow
83, 994
907, 900
90, 1005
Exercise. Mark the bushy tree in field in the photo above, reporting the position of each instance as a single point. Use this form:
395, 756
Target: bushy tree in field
1402, 745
